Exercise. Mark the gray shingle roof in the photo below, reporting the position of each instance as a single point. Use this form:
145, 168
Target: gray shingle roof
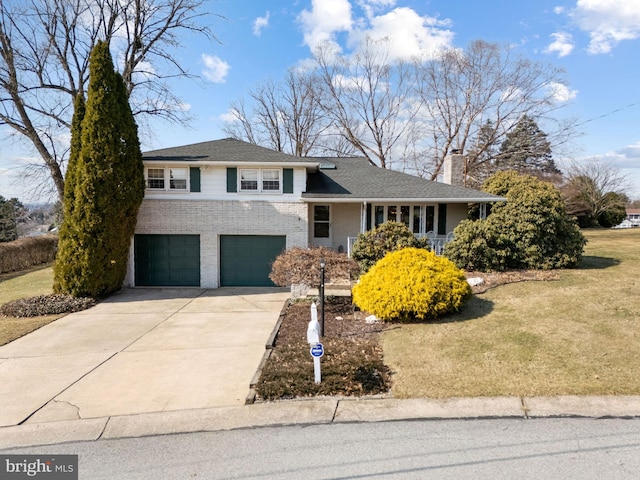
228, 150
355, 178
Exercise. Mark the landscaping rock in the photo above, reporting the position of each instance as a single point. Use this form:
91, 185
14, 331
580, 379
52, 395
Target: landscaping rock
475, 281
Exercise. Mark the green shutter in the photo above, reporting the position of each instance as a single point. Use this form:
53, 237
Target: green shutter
232, 179
194, 179
442, 219
287, 180
369, 208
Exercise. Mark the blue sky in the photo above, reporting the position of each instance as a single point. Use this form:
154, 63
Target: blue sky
597, 43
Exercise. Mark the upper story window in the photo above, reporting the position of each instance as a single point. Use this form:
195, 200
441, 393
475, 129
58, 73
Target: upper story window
177, 178
155, 178
259, 180
173, 178
271, 180
249, 180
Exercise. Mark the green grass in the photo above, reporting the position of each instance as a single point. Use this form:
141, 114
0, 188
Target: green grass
579, 335
28, 283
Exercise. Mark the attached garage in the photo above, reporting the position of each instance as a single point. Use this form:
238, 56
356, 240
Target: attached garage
245, 260
167, 260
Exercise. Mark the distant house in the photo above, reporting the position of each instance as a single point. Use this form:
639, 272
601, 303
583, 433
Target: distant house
631, 220
218, 213
633, 215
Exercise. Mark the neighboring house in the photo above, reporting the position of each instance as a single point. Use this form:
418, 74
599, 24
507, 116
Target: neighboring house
633, 215
631, 220
218, 213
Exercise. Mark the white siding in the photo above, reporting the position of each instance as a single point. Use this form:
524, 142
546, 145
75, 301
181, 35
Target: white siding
213, 186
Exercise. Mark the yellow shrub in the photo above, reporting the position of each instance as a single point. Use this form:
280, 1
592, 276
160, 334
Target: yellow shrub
411, 284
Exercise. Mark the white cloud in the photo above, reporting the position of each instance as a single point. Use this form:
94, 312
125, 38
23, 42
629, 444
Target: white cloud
371, 6
230, 116
260, 24
410, 35
324, 20
215, 69
562, 44
558, 10
510, 94
350, 83
561, 93
608, 22
629, 156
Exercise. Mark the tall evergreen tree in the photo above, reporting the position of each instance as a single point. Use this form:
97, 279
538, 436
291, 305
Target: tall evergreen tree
109, 186
527, 150
481, 158
68, 243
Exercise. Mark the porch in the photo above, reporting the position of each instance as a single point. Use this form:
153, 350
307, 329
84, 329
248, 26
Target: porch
436, 242
337, 225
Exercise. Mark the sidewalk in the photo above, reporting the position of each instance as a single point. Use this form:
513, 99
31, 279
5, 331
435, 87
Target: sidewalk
315, 411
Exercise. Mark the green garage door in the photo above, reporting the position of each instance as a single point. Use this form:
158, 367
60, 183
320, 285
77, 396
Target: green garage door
167, 260
245, 260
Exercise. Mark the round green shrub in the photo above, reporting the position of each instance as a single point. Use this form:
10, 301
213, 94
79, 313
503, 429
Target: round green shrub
374, 244
531, 230
411, 284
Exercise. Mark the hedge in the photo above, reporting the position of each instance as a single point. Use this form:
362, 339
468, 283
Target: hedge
27, 252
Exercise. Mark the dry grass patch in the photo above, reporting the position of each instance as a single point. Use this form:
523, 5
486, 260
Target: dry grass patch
577, 335
28, 283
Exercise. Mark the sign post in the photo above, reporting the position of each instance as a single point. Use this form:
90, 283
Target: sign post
317, 351
313, 339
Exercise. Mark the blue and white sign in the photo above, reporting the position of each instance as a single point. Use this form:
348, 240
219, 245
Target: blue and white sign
317, 350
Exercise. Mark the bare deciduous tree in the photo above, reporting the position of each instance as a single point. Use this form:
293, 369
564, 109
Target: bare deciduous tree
473, 98
283, 116
592, 188
44, 55
409, 115
369, 99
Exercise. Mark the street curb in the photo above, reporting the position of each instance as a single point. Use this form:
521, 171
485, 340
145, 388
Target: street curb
319, 411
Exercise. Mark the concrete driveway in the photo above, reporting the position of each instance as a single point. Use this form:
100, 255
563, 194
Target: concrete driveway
140, 351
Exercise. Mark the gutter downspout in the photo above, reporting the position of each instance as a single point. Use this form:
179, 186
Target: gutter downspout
363, 217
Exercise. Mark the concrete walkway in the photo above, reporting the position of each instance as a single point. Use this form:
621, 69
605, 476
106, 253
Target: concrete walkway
141, 351
163, 361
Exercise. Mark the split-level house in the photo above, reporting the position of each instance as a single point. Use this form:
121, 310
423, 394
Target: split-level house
218, 213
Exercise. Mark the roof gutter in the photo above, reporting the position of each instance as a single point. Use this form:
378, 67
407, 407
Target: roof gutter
404, 200
212, 163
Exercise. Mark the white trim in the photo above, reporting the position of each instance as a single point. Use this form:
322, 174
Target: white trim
260, 181
401, 200
167, 179
200, 163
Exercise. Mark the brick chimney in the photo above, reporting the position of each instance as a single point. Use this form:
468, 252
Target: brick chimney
453, 169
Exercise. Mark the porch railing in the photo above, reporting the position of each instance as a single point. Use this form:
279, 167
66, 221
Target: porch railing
436, 242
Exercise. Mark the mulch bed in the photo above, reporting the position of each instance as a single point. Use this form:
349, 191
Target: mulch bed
495, 279
353, 362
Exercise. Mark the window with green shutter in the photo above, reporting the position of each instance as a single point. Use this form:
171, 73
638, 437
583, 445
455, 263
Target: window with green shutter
287, 180
194, 179
232, 179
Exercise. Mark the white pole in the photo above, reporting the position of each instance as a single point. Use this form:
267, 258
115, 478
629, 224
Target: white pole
317, 375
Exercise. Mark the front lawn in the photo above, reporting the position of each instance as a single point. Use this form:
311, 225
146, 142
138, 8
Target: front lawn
28, 283
578, 335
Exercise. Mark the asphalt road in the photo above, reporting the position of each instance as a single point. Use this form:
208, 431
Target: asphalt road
560, 448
